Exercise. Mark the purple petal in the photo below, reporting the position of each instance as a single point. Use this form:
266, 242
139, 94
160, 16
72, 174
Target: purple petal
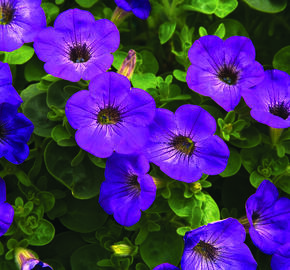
281, 258
6, 217
2, 191
166, 266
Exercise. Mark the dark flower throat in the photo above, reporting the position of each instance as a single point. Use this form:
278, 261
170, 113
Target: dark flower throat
183, 144
280, 109
206, 250
133, 181
228, 74
6, 13
79, 53
109, 116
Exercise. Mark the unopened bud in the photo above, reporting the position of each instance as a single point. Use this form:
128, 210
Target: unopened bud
121, 250
119, 15
128, 65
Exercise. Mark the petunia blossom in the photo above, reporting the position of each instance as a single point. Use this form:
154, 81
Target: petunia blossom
6, 210
166, 266
7, 91
128, 188
15, 131
110, 116
183, 144
140, 8
222, 70
218, 245
20, 22
78, 46
281, 258
269, 218
270, 100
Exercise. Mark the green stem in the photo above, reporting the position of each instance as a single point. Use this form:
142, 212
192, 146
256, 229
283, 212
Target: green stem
275, 134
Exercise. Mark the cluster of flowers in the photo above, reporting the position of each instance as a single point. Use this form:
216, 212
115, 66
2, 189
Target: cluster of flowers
220, 245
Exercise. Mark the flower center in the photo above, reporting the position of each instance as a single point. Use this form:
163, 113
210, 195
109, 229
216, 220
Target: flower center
79, 53
255, 217
183, 144
133, 182
228, 74
206, 250
6, 13
280, 109
109, 116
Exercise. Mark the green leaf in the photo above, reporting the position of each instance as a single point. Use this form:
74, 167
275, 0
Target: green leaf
284, 183
179, 75
282, 59
88, 256
268, 6
225, 7
144, 81
182, 230
250, 137
119, 57
251, 157
202, 31
51, 11
207, 7
86, 3
234, 163
146, 63
33, 70
166, 31
84, 215
46, 199
61, 135
19, 56
256, 179
23, 178
210, 211
42, 235
160, 247
58, 163
220, 31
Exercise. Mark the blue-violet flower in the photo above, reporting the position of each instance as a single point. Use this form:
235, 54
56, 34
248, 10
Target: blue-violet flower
218, 245
183, 144
270, 100
110, 116
128, 188
6, 210
165, 266
15, 131
20, 22
269, 218
140, 8
77, 46
7, 91
281, 258
223, 69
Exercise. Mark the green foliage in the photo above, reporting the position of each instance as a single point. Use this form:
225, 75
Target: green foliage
19, 56
86, 3
281, 59
267, 5
166, 30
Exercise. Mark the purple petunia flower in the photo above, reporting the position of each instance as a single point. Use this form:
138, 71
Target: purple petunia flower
140, 8
166, 266
223, 69
6, 210
35, 264
77, 46
218, 245
20, 22
7, 91
281, 258
110, 116
128, 188
270, 100
15, 131
269, 218
183, 145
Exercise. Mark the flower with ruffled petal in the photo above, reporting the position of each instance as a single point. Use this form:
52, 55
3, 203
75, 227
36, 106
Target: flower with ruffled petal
128, 188
20, 22
110, 116
6, 210
218, 245
269, 218
183, 144
140, 8
281, 258
78, 46
270, 100
221, 69
166, 266
7, 91
15, 131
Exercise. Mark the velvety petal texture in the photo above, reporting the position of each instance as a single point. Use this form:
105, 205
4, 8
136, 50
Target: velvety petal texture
111, 116
183, 144
269, 218
15, 131
6, 210
77, 47
166, 266
221, 69
140, 8
21, 21
270, 100
218, 245
128, 188
7, 91
281, 258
